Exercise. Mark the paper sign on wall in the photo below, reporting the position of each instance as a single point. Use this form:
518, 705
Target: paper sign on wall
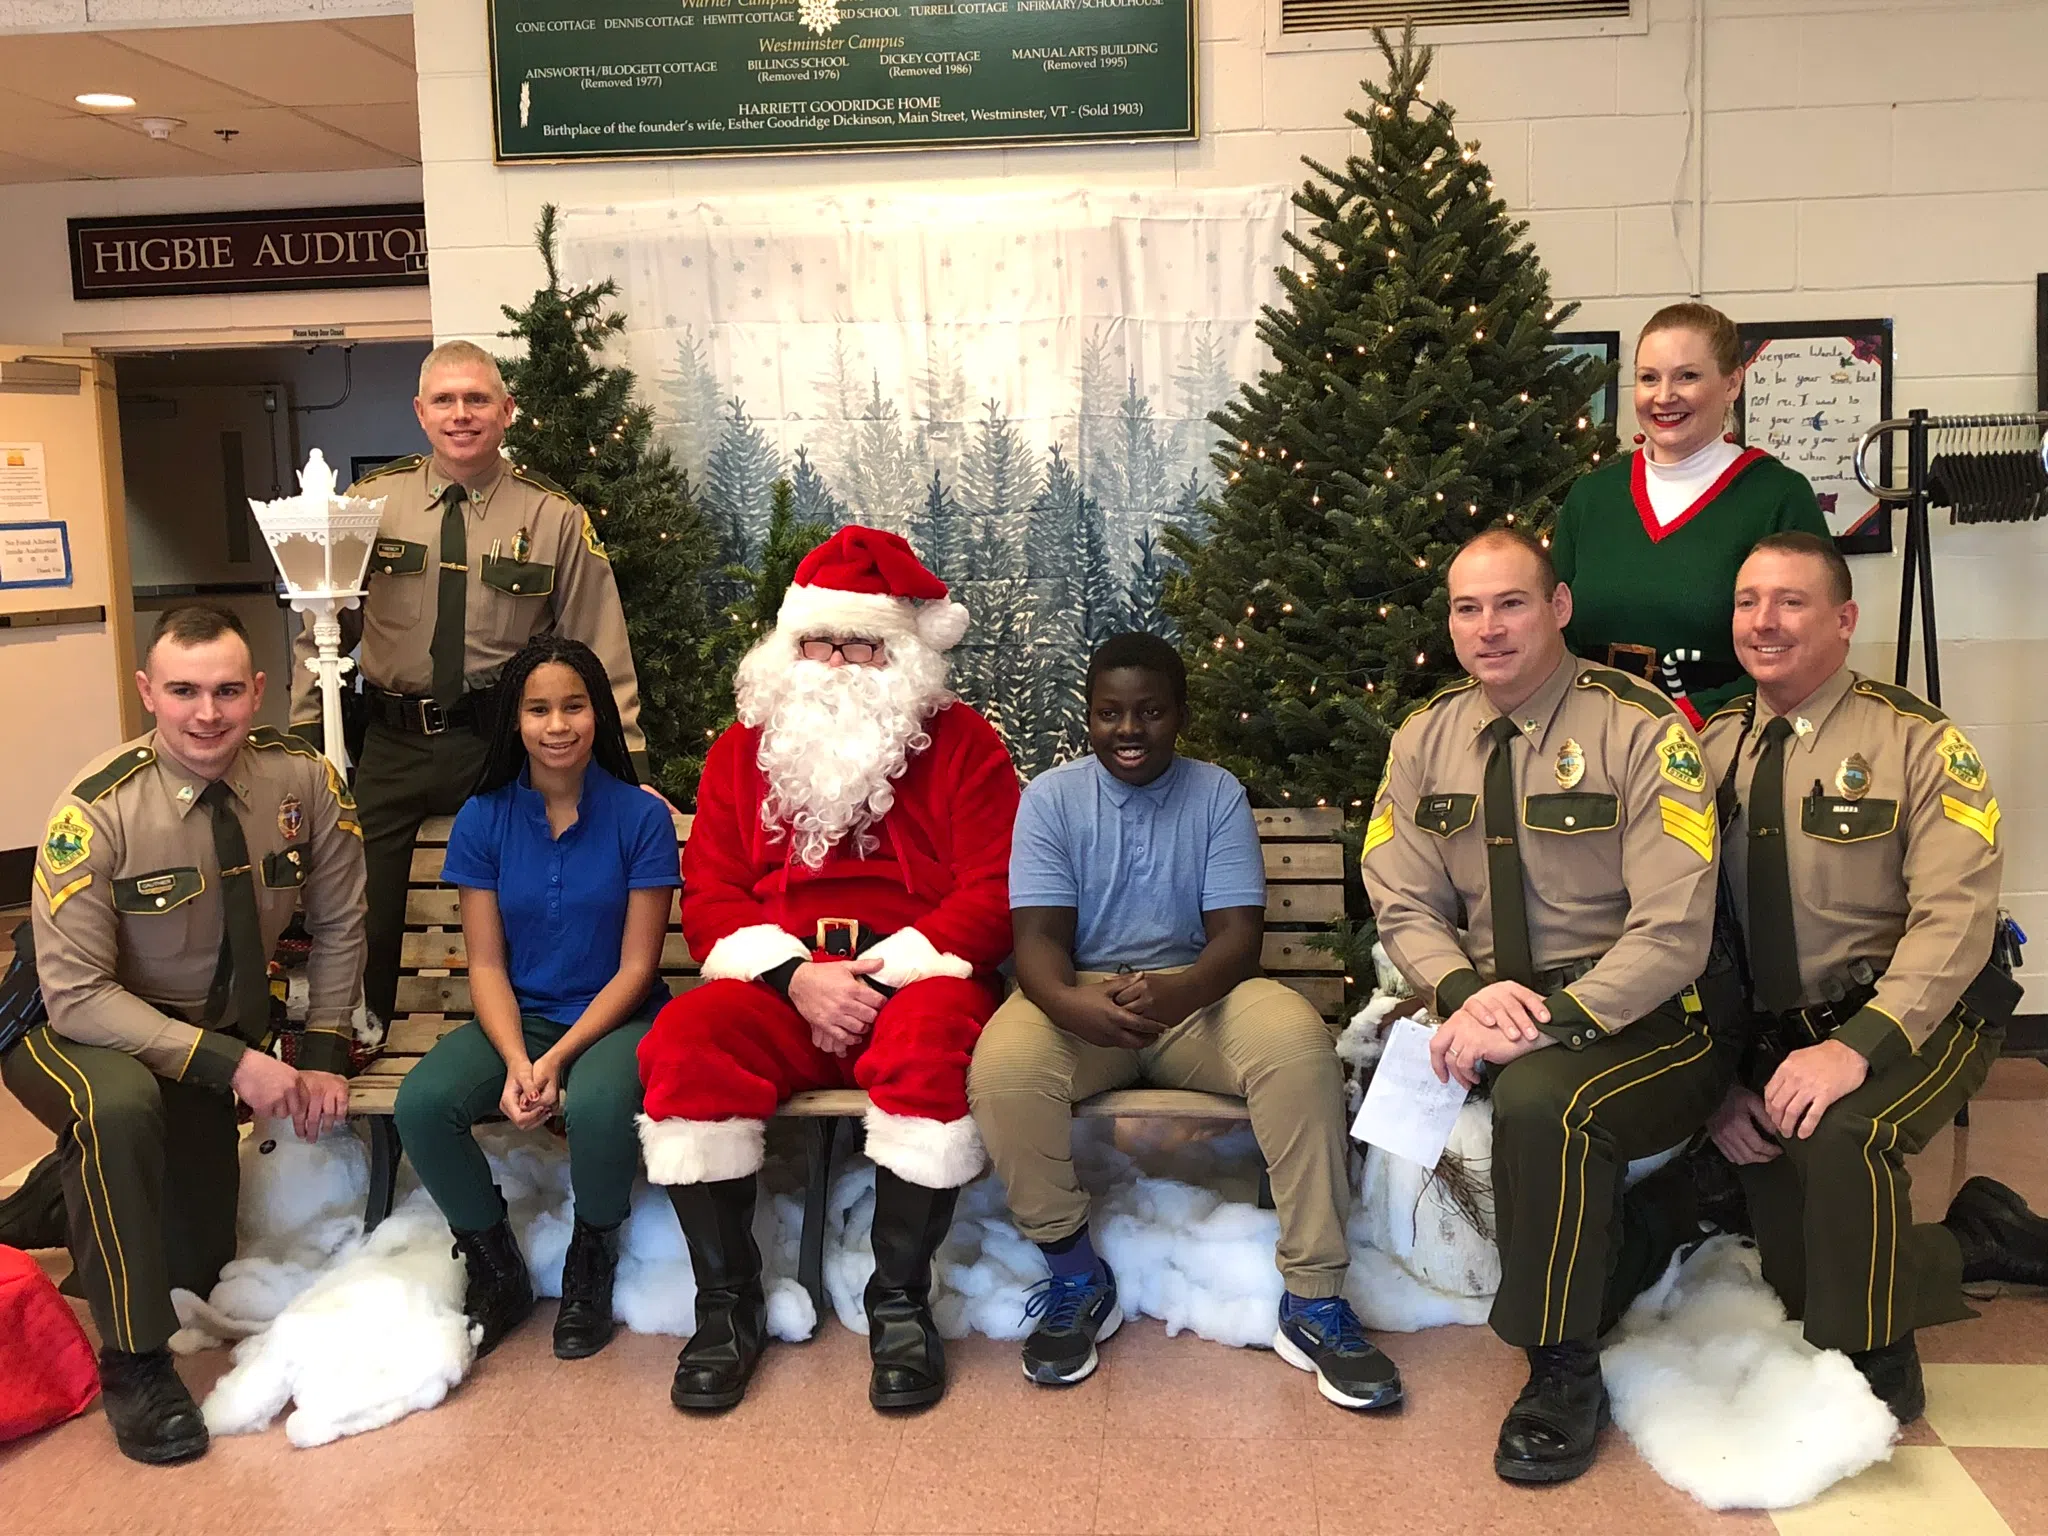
24, 489
35, 555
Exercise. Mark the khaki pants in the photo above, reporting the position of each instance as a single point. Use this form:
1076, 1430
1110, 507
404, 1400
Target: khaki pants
1263, 1042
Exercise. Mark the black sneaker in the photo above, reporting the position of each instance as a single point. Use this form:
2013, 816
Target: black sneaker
1078, 1312
1325, 1336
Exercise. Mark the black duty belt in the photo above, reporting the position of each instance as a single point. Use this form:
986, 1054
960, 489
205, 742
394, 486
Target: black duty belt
420, 715
1799, 1027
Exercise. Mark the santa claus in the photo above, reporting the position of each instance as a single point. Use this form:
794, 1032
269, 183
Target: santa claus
846, 883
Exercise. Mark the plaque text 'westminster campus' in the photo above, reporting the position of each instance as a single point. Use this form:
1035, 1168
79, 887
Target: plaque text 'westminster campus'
595, 79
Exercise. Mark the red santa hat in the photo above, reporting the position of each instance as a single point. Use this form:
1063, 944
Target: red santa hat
865, 581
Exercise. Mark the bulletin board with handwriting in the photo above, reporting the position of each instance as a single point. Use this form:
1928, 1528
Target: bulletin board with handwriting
1813, 389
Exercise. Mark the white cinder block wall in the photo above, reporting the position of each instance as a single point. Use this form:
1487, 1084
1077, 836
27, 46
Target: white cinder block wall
1862, 157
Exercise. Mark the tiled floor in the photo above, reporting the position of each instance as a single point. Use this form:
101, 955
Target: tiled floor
1173, 1436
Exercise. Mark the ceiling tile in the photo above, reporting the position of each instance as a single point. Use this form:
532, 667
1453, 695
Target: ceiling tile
15, 170
56, 66
92, 146
292, 63
396, 128
387, 34
277, 139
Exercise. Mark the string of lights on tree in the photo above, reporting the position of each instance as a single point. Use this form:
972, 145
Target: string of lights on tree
1416, 395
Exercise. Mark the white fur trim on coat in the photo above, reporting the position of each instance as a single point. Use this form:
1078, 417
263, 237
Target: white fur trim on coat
908, 956
828, 611
745, 953
700, 1151
939, 1154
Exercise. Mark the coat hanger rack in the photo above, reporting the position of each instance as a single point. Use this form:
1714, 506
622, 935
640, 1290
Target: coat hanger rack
1982, 477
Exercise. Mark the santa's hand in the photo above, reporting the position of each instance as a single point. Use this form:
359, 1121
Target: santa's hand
835, 1002
323, 1102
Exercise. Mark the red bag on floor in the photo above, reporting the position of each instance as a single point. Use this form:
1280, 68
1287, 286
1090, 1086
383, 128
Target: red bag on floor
47, 1370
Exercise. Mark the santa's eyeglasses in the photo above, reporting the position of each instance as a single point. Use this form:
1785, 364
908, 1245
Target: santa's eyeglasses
858, 652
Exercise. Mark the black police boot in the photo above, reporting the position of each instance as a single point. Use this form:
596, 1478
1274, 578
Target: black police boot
2000, 1237
732, 1308
1894, 1375
584, 1323
909, 1369
153, 1417
499, 1295
1549, 1436
33, 1216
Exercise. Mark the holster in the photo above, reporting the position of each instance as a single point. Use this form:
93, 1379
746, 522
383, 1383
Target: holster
21, 993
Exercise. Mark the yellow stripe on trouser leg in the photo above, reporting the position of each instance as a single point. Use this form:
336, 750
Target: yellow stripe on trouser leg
115, 1267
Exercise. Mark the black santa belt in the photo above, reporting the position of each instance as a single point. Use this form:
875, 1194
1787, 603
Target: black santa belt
848, 938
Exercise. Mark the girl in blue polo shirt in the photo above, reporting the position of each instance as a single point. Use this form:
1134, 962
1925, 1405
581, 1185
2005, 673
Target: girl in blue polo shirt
568, 873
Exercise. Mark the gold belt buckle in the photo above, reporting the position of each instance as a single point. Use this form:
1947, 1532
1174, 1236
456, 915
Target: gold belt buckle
1645, 664
827, 926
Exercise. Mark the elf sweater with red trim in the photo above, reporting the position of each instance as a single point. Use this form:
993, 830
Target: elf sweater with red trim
1671, 588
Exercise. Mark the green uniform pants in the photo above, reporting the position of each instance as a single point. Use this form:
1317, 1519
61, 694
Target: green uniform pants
1262, 1041
1566, 1125
461, 1080
150, 1179
402, 780
1834, 1215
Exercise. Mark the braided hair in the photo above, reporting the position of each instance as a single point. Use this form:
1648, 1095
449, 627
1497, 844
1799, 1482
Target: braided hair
505, 757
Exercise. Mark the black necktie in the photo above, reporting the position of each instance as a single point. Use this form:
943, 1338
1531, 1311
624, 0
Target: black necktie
450, 616
1512, 960
1773, 945
243, 974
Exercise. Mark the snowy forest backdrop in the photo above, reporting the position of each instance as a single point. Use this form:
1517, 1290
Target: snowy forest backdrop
1019, 384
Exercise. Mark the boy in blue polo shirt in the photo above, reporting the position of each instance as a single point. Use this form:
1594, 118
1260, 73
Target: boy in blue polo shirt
1138, 899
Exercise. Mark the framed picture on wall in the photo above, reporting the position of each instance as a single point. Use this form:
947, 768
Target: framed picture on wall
1600, 347
1814, 388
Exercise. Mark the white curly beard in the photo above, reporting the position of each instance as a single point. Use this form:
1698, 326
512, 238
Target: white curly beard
835, 739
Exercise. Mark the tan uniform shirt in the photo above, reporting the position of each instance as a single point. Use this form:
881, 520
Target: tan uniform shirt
1891, 844
128, 912
1615, 830
535, 564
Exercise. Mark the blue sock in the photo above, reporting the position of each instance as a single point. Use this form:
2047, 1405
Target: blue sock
1072, 1256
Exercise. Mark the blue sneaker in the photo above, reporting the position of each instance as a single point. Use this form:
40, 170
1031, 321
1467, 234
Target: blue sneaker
1326, 1337
1077, 1312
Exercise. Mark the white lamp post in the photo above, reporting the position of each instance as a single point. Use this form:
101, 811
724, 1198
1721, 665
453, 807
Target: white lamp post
321, 543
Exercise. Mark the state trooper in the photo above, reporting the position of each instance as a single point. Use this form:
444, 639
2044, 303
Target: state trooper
1541, 863
162, 883
474, 556
1863, 862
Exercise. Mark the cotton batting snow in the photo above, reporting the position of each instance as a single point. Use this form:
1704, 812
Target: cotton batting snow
1726, 1399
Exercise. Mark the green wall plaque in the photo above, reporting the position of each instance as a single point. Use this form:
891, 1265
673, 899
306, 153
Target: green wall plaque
613, 79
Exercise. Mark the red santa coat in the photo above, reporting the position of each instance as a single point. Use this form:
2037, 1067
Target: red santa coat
937, 881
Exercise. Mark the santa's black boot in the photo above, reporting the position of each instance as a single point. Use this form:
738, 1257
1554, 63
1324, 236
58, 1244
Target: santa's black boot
909, 1357
584, 1323
732, 1309
152, 1415
499, 1295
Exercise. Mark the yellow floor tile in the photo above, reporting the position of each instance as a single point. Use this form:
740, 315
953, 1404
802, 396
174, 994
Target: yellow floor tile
1992, 1405
1922, 1489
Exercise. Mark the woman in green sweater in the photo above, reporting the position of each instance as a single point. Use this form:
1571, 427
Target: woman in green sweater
1651, 542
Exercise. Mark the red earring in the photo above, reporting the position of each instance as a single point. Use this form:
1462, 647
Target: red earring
1727, 437
1640, 438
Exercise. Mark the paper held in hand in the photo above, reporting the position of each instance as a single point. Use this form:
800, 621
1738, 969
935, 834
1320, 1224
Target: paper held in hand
1407, 1111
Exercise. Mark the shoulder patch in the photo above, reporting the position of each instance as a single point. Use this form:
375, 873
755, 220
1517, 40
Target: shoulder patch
119, 771
590, 539
1900, 700
1959, 760
1627, 690
406, 465
1462, 685
68, 843
1678, 759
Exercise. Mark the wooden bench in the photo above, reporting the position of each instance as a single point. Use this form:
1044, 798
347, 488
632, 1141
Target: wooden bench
1304, 893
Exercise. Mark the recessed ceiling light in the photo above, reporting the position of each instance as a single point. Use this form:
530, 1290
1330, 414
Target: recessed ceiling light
112, 100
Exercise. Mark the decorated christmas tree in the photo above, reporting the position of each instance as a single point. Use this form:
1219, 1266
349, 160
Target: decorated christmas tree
756, 591
580, 425
1417, 395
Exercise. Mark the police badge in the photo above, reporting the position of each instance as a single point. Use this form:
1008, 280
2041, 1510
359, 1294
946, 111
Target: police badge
291, 817
1852, 779
522, 544
1571, 764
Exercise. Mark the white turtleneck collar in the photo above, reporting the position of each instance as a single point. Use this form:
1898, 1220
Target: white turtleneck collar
1673, 488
